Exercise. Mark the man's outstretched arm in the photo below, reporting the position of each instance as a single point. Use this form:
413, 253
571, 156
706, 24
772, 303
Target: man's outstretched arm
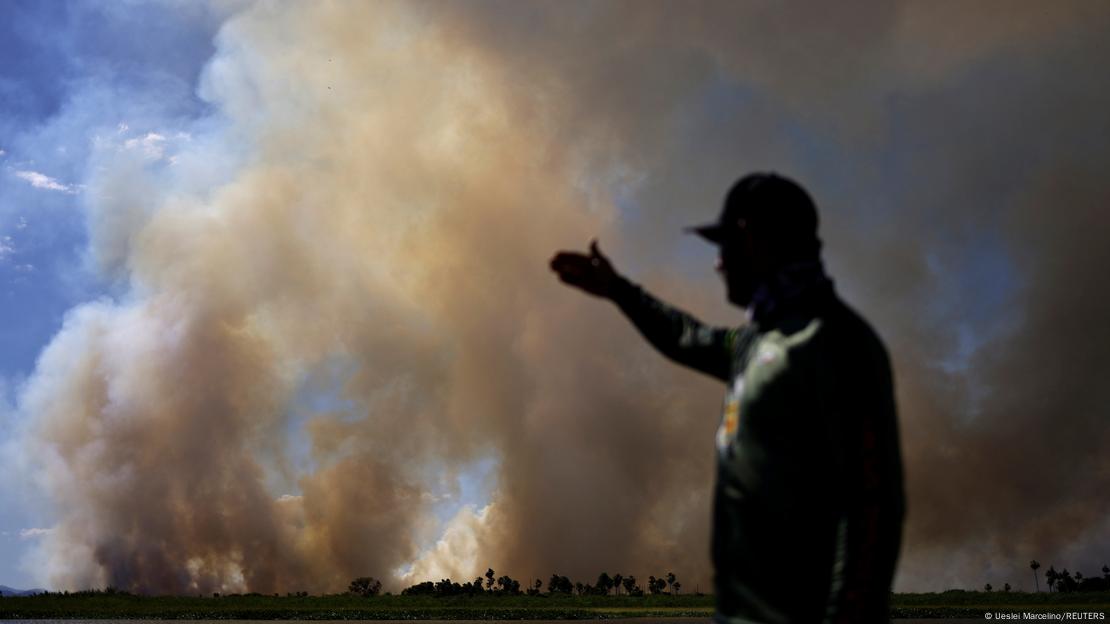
674, 333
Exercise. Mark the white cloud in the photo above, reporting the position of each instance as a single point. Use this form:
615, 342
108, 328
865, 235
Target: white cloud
431, 497
2, 152
6, 247
22, 225
152, 145
34, 533
42, 181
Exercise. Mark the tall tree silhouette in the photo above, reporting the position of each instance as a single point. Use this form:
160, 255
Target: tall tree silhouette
1065, 582
508, 585
604, 583
1036, 582
617, 580
559, 585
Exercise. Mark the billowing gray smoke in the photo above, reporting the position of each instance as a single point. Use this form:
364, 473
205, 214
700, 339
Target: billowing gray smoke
371, 223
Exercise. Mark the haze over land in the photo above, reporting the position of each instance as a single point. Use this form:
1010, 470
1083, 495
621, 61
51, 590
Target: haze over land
328, 318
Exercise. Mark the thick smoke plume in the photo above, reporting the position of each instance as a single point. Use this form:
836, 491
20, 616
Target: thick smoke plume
367, 218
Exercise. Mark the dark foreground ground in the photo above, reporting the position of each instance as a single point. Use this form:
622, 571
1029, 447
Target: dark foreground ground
692, 608
618, 621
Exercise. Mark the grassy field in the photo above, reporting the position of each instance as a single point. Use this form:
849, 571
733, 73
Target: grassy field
347, 607
974, 604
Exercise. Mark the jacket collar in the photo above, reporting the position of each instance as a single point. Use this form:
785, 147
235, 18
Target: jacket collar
793, 289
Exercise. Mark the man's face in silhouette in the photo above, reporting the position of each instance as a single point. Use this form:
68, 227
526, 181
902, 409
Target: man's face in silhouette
738, 264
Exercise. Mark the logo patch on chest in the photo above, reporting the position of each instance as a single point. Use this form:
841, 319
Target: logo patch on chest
768, 353
730, 420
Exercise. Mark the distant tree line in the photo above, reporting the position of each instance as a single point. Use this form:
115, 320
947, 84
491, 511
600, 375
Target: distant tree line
507, 586
1065, 582
365, 586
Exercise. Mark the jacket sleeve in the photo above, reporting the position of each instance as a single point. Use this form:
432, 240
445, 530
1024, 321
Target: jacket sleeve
675, 333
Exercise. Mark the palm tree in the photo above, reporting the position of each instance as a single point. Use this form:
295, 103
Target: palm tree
1036, 583
617, 579
604, 582
1051, 575
671, 579
1066, 582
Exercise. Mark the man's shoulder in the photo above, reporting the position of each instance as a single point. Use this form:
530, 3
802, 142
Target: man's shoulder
851, 326
834, 332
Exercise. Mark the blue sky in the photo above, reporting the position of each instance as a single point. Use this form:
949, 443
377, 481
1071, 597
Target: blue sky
69, 71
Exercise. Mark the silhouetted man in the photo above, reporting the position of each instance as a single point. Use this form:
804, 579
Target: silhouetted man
808, 507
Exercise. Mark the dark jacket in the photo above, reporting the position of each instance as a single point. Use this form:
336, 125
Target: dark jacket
809, 505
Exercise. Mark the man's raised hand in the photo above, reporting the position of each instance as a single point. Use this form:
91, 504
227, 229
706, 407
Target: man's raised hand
591, 272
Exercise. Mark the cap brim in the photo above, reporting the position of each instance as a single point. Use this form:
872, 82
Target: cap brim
712, 232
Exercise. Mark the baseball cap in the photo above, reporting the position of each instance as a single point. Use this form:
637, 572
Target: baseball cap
768, 204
